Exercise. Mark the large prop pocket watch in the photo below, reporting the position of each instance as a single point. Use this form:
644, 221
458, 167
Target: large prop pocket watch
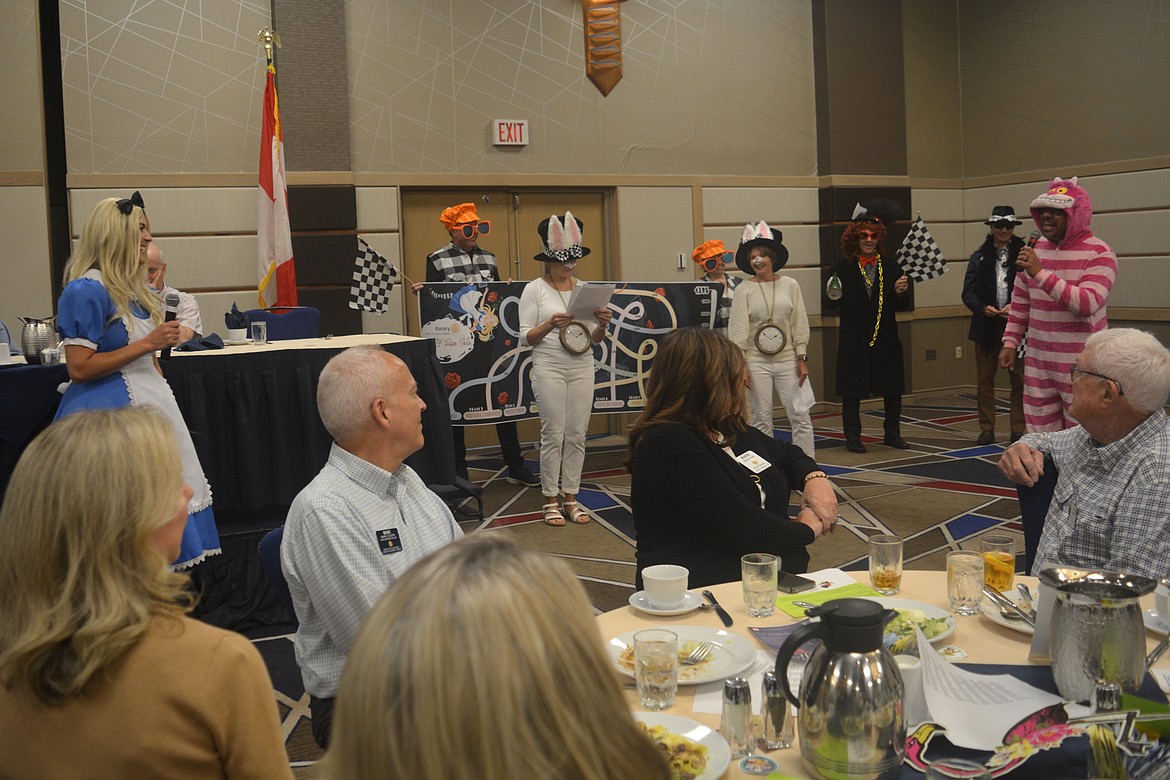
575, 338
770, 338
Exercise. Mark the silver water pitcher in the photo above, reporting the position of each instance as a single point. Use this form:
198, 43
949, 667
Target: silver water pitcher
851, 718
35, 336
1096, 631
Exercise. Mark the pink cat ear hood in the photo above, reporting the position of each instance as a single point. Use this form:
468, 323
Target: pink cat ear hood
1066, 195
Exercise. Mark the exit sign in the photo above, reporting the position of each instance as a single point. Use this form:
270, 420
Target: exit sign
510, 132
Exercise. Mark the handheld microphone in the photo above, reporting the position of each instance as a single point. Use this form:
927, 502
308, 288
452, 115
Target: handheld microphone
172, 302
1033, 237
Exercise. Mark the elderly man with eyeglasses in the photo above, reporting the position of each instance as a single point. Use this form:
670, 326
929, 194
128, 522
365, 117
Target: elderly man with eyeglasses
1109, 509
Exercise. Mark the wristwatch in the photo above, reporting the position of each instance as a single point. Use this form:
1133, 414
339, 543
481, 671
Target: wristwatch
802, 357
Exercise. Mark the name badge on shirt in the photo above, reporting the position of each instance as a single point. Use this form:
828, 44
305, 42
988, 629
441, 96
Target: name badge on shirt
753, 462
388, 541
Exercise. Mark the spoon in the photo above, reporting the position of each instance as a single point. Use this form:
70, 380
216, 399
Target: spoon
805, 604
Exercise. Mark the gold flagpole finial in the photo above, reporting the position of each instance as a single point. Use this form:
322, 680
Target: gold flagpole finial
268, 38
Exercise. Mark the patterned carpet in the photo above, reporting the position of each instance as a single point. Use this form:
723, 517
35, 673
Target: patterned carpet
941, 494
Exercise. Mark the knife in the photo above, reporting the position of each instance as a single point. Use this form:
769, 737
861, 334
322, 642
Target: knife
1003, 601
719, 610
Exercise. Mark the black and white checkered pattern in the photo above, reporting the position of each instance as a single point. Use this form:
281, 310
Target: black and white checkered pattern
920, 256
373, 278
452, 264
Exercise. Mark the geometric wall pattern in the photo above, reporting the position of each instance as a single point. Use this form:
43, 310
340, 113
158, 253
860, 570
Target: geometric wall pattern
20, 108
172, 86
708, 88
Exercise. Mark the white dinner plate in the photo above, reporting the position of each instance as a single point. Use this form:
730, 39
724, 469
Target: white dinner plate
930, 611
1155, 622
718, 751
990, 611
730, 653
691, 601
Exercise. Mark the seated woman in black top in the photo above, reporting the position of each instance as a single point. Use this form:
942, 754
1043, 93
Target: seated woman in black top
707, 487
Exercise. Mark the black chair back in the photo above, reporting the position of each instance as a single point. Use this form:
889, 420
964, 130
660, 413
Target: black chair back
1034, 503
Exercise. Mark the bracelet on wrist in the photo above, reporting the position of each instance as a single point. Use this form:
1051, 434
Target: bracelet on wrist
815, 475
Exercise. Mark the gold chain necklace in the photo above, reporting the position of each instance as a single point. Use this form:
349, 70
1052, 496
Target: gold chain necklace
881, 293
771, 303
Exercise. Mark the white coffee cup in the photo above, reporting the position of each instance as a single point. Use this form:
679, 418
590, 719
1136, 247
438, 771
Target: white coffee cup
1162, 603
5, 355
237, 335
916, 707
665, 585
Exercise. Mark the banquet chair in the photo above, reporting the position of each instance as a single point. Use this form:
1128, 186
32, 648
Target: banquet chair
458, 495
1034, 503
269, 550
288, 322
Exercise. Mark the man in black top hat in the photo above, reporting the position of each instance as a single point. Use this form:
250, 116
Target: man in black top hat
987, 292
869, 352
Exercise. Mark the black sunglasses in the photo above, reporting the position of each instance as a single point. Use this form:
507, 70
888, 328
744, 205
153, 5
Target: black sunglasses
470, 229
126, 205
1003, 225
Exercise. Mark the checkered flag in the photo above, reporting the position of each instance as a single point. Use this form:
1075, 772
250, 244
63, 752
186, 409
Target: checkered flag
920, 256
1023, 348
373, 277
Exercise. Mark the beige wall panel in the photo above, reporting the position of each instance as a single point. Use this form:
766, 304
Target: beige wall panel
1141, 281
181, 210
1050, 85
21, 146
1135, 233
809, 280
938, 205
389, 245
377, 208
1138, 190
780, 205
25, 284
803, 244
198, 262
950, 238
978, 203
930, 57
425, 81
162, 87
213, 305
946, 370
945, 290
655, 227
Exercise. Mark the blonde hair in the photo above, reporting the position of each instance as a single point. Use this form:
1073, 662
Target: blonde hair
110, 243
481, 633
79, 577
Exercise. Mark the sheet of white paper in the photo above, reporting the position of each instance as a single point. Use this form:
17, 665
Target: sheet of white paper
709, 696
588, 298
1162, 677
975, 709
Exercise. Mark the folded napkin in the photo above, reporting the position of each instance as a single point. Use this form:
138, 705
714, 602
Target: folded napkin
235, 318
210, 341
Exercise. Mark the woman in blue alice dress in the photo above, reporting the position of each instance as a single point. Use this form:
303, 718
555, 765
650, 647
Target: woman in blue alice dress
112, 325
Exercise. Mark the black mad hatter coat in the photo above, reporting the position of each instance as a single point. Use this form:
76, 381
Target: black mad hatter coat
863, 370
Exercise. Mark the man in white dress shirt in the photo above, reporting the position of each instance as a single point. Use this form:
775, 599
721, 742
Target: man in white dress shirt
190, 323
363, 521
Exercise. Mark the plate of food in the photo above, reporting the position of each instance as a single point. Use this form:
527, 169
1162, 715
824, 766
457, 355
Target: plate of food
936, 624
693, 751
730, 653
990, 611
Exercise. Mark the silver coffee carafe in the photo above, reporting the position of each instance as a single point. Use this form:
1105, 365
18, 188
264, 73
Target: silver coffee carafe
851, 719
35, 336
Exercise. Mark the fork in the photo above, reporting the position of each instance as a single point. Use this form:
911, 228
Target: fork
698, 655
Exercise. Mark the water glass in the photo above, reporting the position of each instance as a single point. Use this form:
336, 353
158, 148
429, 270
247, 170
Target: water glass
759, 572
999, 561
259, 333
965, 581
656, 667
945, 768
885, 564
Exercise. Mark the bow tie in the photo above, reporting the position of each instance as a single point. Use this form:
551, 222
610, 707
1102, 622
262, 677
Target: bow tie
865, 261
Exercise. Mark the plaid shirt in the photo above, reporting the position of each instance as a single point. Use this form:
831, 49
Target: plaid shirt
1108, 509
723, 313
451, 264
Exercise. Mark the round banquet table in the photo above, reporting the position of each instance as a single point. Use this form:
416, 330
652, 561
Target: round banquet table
985, 643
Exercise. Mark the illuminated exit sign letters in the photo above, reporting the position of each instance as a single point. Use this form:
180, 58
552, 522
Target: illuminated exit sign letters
510, 132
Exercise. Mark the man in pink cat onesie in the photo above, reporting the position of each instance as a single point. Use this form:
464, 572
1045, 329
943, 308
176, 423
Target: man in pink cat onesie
1058, 302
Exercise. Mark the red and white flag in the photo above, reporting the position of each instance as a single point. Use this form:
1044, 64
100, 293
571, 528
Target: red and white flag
278, 277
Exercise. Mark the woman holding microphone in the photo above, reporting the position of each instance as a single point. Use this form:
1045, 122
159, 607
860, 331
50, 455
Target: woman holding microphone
562, 365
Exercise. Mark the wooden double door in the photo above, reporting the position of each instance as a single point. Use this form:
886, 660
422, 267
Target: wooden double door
515, 215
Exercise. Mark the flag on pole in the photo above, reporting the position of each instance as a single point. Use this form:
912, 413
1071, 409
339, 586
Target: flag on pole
920, 256
373, 277
278, 278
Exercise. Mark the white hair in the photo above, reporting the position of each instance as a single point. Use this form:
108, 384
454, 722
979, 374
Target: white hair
1137, 361
349, 383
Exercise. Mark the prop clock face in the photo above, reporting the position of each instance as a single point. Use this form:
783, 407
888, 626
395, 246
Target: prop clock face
770, 339
575, 338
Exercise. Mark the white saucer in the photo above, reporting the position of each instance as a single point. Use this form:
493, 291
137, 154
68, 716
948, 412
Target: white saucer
691, 601
1152, 619
238, 343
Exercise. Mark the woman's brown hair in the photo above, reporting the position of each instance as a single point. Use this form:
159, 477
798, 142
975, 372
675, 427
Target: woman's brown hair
697, 380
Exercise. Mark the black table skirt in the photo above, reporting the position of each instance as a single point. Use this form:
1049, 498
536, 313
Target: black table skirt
253, 418
28, 401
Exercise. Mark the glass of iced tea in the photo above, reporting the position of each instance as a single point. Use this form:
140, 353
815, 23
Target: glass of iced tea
885, 564
999, 561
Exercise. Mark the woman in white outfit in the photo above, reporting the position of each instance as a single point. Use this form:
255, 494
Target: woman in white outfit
562, 365
769, 324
